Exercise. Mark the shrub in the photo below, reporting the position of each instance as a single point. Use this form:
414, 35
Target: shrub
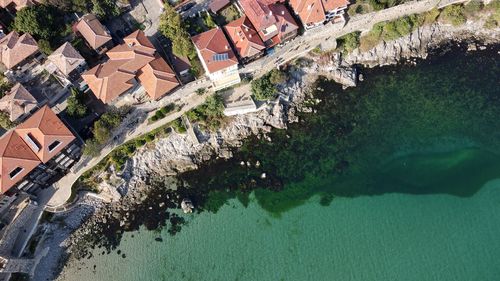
473, 7
262, 88
348, 42
5, 121
44, 47
454, 14
139, 142
149, 137
76, 107
277, 76
201, 91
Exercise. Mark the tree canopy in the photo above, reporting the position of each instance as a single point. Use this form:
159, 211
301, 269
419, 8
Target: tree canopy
41, 21
172, 27
76, 106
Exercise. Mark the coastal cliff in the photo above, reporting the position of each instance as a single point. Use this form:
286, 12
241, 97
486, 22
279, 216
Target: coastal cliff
179, 152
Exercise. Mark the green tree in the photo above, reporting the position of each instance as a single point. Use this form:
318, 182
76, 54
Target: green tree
262, 88
348, 42
172, 27
105, 9
5, 85
277, 77
41, 21
5, 121
44, 46
92, 148
76, 107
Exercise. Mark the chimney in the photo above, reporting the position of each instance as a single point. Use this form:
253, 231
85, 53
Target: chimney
283, 12
246, 28
270, 13
249, 35
227, 47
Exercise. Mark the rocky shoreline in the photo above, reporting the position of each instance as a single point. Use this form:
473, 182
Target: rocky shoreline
178, 153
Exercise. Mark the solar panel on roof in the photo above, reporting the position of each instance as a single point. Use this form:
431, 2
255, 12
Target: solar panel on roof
220, 57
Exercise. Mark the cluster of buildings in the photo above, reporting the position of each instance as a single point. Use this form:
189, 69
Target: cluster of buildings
42, 143
263, 25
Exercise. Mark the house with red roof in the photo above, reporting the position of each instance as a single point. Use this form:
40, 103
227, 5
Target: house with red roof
245, 39
35, 150
217, 57
271, 19
130, 66
314, 13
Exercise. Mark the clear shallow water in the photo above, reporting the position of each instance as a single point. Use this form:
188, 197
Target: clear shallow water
407, 163
390, 237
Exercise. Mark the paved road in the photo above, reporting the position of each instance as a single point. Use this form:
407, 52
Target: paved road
290, 51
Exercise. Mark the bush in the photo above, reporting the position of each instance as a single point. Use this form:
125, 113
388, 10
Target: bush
44, 47
149, 137
76, 107
277, 77
210, 113
348, 42
454, 14
473, 7
262, 88
178, 126
5, 121
139, 142
201, 91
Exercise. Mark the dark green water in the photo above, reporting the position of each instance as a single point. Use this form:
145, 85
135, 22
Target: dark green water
393, 180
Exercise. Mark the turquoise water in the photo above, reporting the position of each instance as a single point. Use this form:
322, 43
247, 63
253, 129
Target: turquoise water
397, 179
390, 237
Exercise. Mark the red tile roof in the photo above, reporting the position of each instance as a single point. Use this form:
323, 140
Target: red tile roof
18, 102
126, 61
157, 78
93, 31
314, 11
212, 43
14, 154
258, 12
244, 37
14, 48
19, 4
44, 128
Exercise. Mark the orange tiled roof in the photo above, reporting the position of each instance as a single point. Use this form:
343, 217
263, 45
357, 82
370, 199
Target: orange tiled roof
258, 12
115, 77
93, 31
284, 20
14, 153
17, 102
19, 4
314, 11
212, 43
14, 48
244, 37
157, 78
42, 130
66, 58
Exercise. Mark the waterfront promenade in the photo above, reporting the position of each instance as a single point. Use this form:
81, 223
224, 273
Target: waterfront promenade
187, 98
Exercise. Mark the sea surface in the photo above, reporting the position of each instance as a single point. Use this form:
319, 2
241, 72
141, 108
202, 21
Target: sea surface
396, 179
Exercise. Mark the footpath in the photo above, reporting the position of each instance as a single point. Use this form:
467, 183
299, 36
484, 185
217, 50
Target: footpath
187, 98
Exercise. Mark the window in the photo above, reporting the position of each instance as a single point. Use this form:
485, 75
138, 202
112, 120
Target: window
54, 145
32, 142
15, 172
